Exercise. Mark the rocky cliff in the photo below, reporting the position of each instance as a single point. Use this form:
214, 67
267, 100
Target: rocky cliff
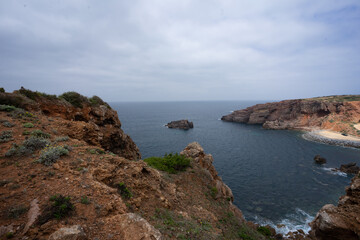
94, 122
336, 114
341, 221
58, 181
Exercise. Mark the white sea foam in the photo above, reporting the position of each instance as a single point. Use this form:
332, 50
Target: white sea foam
293, 222
334, 171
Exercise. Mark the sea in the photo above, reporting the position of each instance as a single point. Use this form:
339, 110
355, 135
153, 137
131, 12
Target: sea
271, 172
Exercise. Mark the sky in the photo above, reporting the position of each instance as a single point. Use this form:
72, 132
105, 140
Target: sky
165, 50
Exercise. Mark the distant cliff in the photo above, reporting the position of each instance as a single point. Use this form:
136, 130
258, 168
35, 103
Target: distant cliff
339, 113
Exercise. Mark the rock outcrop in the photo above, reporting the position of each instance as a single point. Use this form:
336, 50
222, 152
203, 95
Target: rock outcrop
75, 232
350, 168
97, 124
180, 124
319, 159
341, 221
301, 114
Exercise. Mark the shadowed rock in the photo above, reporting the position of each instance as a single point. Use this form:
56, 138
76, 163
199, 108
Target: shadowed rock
350, 168
180, 124
319, 159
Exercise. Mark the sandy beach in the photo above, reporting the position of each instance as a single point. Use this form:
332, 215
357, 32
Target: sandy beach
333, 138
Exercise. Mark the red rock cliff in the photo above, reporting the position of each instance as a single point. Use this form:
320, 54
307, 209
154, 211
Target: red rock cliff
97, 124
301, 114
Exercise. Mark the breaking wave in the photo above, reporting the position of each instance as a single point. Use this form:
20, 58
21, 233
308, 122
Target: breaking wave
334, 171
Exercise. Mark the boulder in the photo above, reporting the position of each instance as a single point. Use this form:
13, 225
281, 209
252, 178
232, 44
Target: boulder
319, 159
180, 124
74, 232
350, 168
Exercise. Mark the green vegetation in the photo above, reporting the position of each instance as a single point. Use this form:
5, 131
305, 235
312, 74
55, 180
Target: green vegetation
336, 98
85, 200
28, 125
74, 98
96, 101
2, 90
175, 226
34, 95
62, 139
95, 151
40, 134
123, 190
16, 211
7, 108
264, 231
51, 154
6, 136
59, 207
27, 147
9, 235
171, 163
8, 124
213, 192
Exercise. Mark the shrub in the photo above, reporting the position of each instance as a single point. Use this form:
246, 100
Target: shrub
7, 108
213, 192
5, 136
28, 125
8, 124
40, 134
34, 95
17, 150
50, 155
2, 90
123, 190
95, 101
96, 151
59, 207
85, 200
171, 163
74, 99
17, 211
264, 231
26, 132
62, 139
35, 143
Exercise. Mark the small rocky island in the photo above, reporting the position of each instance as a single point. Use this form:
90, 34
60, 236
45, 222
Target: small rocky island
180, 124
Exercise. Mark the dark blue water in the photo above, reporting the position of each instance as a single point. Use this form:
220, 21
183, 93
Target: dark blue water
271, 172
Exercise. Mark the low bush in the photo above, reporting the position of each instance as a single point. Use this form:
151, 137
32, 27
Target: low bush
95, 151
16, 211
40, 134
171, 163
50, 155
28, 125
59, 207
96, 101
264, 231
7, 108
27, 147
34, 95
85, 200
123, 190
6, 136
8, 124
2, 90
62, 139
74, 98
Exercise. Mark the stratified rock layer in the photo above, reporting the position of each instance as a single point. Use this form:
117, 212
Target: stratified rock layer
342, 221
301, 114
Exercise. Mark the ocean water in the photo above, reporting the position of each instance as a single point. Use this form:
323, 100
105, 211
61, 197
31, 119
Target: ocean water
271, 172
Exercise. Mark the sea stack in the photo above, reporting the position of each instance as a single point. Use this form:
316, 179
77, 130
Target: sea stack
180, 124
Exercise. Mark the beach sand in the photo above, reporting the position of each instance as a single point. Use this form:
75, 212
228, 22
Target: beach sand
336, 135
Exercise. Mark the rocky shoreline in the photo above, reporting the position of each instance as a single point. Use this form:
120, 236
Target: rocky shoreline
314, 136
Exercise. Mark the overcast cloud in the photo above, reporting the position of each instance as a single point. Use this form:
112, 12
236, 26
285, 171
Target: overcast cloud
182, 50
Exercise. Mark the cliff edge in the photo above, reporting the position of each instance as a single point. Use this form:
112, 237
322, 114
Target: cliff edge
336, 113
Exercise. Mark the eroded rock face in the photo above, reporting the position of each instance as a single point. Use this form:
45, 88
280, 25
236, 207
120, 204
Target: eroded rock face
196, 152
97, 125
300, 114
342, 221
180, 124
133, 227
69, 233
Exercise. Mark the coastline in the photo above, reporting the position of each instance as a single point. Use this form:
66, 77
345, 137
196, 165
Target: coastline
332, 138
